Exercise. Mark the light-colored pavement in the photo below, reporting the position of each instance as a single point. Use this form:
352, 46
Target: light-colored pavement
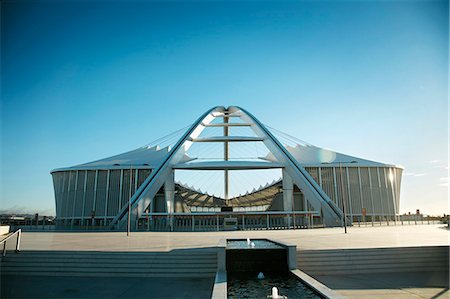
390, 285
394, 285
323, 238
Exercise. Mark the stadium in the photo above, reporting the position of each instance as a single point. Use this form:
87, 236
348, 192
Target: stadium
226, 171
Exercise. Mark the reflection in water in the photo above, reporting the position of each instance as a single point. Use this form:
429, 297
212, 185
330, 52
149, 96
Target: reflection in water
258, 244
249, 286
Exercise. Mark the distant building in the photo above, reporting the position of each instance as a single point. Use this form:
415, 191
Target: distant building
313, 179
21, 220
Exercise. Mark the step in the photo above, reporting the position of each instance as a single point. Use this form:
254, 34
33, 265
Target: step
117, 274
381, 251
108, 259
373, 266
110, 254
5, 269
363, 259
109, 266
192, 263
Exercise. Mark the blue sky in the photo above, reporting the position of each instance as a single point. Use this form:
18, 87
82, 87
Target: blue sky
82, 81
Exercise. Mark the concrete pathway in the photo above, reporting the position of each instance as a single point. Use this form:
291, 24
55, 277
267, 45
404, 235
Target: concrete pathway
405, 285
390, 285
321, 238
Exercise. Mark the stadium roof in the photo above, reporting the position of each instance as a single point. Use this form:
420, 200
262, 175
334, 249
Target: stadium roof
150, 157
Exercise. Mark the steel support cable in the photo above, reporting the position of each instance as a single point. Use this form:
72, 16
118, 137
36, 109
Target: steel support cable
211, 149
258, 178
289, 137
172, 140
241, 149
285, 135
234, 187
284, 141
216, 182
296, 165
168, 139
249, 184
205, 179
205, 148
198, 179
157, 141
263, 175
183, 178
219, 182
192, 176
162, 166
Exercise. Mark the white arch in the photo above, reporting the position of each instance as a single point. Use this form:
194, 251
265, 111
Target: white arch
332, 215
147, 191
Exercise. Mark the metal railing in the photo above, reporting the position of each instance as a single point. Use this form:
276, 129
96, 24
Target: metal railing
219, 221
379, 220
18, 233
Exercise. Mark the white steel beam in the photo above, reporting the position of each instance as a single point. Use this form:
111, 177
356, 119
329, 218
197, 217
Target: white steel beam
228, 125
147, 191
332, 215
228, 165
227, 139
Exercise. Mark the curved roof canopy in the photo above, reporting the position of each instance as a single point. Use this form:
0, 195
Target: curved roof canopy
196, 198
150, 157
310, 155
143, 157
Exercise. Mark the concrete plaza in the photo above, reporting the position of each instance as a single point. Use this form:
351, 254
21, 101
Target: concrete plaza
305, 239
381, 285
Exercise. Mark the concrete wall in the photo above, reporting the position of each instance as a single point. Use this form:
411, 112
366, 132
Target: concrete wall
373, 260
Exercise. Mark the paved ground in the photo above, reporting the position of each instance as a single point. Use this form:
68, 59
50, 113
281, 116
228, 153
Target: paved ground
321, 238
390, 285
104, 287
399, 285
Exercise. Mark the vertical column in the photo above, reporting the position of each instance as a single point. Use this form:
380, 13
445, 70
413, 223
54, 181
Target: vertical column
136, 180
132, 213
74, 199
349, 196
107, 195
320, 177
66, 204
288, 191
386, 189
288, 194
169, 191
120, 190
371, 193
225, 157
379, 191
389, 181
335, 189
361, 193
95, 196
84, 197
393, 181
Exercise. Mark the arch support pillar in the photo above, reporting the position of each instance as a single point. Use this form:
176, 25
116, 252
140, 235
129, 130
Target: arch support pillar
288, 191
288, 195
169, 192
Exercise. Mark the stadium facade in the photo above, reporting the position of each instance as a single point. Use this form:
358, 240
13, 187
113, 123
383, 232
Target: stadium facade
313, 181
